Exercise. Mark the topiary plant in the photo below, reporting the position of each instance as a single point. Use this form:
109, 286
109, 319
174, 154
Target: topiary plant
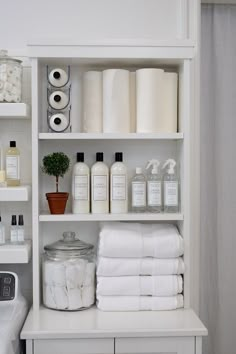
56, 164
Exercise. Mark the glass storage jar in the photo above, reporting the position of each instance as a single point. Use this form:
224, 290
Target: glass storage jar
69, 274
10, 78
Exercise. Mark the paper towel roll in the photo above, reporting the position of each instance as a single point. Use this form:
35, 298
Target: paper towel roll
58, 100
92, 102
149, 87
116, 101
168, 122
58, 77
132, 85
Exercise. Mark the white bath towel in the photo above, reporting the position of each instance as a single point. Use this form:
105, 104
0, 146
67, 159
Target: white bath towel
74, 299
139, 303
134, 240
109, 267
159, 285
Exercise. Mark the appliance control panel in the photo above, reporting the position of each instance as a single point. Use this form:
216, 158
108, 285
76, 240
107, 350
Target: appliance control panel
7, 286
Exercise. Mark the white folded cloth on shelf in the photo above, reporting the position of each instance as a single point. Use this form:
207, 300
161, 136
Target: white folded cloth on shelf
139, 303
159, 285
135, 240
109, 267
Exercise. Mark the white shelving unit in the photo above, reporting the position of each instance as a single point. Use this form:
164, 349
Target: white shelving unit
14, 110
15, 254
15, 194
110, 136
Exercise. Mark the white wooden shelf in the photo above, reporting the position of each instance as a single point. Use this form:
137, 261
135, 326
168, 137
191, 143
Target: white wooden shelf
111, 136
112, 217
14, 110
15, 194
13, 253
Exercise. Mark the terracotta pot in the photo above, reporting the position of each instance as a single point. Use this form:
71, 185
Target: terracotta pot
57, 202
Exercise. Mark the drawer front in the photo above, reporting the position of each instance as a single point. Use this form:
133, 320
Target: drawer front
163, 345
74, 346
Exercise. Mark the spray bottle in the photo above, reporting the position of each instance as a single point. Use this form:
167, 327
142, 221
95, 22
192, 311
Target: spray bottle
154, 190
171, 188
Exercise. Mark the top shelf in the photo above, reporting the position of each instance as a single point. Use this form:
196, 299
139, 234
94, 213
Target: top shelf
14, 111
111, 136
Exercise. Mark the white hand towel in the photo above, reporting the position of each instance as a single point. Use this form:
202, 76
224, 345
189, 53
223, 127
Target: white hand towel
61, 297
139, 303
55, 273
163, 285
139, 240
88, 295
89, 275
75, 273
74, 299
48, 296
109, 267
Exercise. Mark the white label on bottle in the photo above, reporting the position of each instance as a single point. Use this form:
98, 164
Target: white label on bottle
81, 187
154, 193
21, 235
118, 187
100, 188
171, 193
138, 194
13, 167
14, 235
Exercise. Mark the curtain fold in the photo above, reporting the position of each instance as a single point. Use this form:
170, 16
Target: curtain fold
218, 178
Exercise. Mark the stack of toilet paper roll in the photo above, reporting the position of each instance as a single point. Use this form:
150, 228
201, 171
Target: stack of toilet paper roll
120, 101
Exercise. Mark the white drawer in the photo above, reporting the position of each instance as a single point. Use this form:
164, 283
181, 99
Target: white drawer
74, 346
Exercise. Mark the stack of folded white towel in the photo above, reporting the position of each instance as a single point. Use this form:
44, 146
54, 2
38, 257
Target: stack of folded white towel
139, 267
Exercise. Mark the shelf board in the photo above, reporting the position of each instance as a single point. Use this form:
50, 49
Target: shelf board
14, 110
15, 194
112, 217
13, 253
111, 136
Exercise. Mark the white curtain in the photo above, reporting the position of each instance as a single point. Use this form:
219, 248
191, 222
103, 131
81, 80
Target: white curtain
218, 178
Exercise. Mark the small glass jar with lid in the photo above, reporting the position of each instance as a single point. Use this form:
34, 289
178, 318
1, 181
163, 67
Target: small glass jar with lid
10, 78
69, 274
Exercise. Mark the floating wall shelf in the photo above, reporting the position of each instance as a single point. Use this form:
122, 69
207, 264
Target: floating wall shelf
10, 254
111, 136
14, 110
15, 194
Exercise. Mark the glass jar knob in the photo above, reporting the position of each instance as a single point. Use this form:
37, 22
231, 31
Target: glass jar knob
68, 236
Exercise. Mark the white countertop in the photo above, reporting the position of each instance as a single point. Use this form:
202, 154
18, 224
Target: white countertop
93, 323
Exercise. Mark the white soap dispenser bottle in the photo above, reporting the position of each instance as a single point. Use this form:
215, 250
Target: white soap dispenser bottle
154, 187
100, 186
171, 187
80, 186
118, 186
138, 191
2, 232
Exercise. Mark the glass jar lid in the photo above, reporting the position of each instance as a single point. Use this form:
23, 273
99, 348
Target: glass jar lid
69, 246
5, 57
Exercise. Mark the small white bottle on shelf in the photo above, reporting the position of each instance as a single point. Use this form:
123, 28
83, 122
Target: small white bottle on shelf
13, 230
154, 188
21, 229
100, 186
80, 186
138, 190
2, 232
171, 188
118, 186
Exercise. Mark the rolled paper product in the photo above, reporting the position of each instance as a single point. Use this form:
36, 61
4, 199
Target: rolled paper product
116, 101
58, 77
92, 102
58, 122
132, 85
168, 122
149, 87
58, 100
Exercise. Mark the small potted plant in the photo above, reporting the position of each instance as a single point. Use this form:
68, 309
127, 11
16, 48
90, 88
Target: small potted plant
56, 164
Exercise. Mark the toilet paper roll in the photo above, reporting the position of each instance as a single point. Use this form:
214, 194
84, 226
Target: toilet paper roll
116, 101
92, 102
168, 122
149, 87
58, 100
58, 122
58, 77
132, 85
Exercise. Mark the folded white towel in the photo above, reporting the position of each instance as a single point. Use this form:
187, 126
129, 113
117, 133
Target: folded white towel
159, 285
126, 240
139, 303
109, 267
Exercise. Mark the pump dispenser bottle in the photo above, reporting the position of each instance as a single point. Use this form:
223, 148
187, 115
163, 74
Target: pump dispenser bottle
13, 230
138, 190
154, 187
13, 165
2, 232
171, 188
100, 186
80, 186
21, 229
118, 186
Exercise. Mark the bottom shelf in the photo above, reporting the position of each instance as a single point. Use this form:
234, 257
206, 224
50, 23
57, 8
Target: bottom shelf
10, 254
93, 323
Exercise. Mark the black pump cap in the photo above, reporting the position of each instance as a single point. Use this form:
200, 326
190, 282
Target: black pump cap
12, 144
119, 156
56, 75
80, 157
57, 120
13, 220
57, 98
21, 220
99, 156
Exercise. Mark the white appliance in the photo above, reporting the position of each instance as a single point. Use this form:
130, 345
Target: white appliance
13, 311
